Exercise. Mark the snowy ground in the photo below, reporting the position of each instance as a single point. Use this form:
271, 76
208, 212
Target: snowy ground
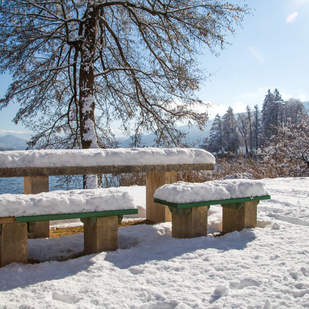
265, 267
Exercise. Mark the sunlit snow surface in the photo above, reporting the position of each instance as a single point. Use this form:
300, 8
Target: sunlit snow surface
186, 192
265, 267
72, 201
104, 157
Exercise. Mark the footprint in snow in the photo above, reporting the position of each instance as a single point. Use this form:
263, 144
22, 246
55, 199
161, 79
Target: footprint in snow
221, 290
65, 298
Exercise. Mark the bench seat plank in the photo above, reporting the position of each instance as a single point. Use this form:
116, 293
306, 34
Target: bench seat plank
209, 203
5, 220
80, 215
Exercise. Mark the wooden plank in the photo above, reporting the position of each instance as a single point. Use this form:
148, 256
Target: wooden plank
217, 202
96, 214
112, 169
5, 220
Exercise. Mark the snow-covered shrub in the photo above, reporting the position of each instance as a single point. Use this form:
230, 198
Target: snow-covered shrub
239, 176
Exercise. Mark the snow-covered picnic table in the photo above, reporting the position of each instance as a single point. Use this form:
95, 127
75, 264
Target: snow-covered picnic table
160, 165
189, 204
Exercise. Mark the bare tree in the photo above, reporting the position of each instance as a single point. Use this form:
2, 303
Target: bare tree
295, 111
78, 65
288, 151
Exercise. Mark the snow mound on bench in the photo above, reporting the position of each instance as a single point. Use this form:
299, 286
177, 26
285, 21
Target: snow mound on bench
63, 202
185, 192
103, 157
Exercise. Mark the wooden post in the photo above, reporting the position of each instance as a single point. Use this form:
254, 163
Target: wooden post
156, 212
34, 185
194, 224
13, 243
100, 234
238, 219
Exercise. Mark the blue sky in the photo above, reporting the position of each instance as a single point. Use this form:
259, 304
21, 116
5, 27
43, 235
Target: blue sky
269, 51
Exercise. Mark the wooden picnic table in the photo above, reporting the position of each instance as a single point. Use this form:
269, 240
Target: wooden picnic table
36, 178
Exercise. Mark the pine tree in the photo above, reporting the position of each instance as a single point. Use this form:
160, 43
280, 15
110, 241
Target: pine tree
249, 117
216, 136
279, 110
243, 129
230, 134
256, 129
272, 114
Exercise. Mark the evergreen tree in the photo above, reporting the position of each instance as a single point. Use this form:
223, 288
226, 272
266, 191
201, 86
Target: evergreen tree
272, 114
249, 117
279, 110
267, 115
243, 129
216, 136
230, 134
256, 128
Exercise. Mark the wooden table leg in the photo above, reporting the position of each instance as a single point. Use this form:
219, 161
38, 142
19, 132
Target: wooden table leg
157, 212
34, 185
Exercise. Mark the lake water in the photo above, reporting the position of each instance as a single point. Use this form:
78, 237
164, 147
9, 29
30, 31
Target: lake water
15, 185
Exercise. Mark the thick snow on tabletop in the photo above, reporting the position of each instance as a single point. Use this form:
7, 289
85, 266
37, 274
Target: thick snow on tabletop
63, 202
184, 192
106, 157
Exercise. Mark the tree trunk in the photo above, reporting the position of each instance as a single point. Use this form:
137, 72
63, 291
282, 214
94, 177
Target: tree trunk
86, 82
86, 86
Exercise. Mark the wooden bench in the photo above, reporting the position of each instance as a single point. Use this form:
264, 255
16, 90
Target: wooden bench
189, 219
160, 165
100, 225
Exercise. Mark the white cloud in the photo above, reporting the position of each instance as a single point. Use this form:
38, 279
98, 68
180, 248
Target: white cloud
297, 3
214, 109
302, 97
256, 54
292, 17
11, 131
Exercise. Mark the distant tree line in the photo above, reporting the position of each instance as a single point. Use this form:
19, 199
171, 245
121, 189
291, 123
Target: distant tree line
7, 148
254, 130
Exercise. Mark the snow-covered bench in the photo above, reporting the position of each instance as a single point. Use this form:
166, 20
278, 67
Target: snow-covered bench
189, 204
98, 208
160, 165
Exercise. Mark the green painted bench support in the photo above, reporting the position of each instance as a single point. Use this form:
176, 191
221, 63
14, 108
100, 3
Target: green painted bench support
100, 233
190, 219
